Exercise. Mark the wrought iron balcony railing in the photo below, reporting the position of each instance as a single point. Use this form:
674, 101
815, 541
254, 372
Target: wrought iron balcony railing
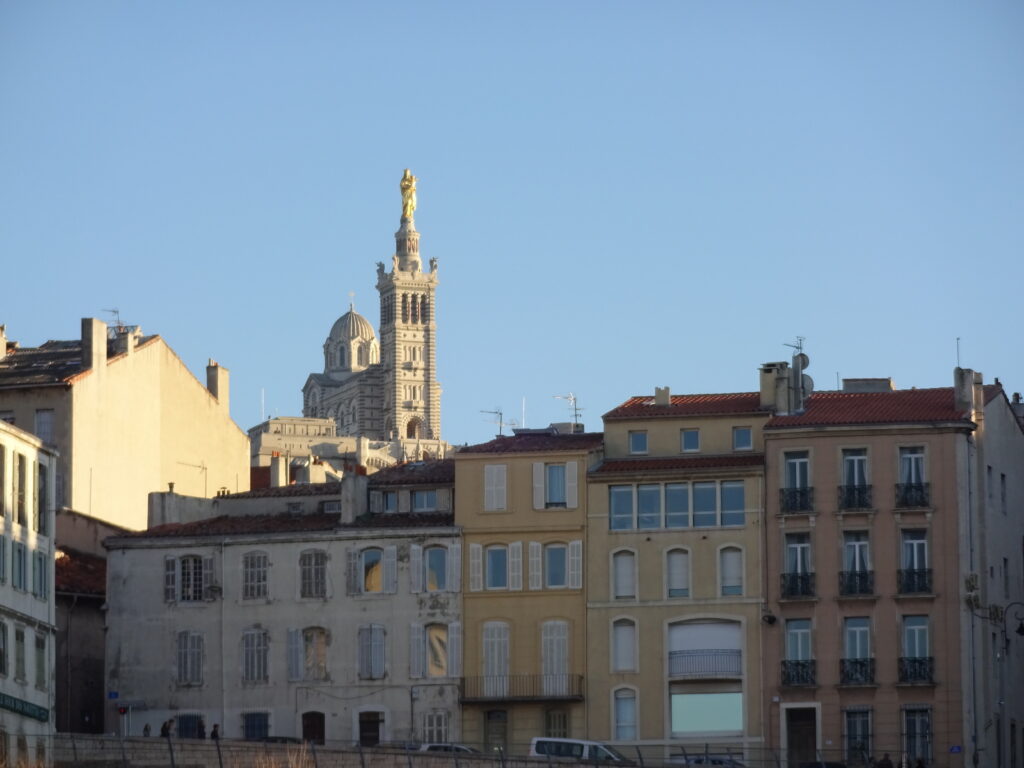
917, 669
796, 500
914, 581
798, 672
856, 671
854, 497
856, 582
797, 584
705, 663
522, 688
913, 495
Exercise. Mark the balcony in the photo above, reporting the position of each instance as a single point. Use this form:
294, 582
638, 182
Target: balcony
522, 688
856, 671
798, 672
853, 497
796, 500
797, 585
853, 583
914, 581
709, 663
917, 670
913, 495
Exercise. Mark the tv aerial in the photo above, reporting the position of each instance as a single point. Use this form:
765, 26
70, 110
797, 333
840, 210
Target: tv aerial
500, 419
573, 405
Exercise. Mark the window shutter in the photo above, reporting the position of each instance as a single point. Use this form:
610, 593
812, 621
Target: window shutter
455, 649
576, 564
170, 578
415, 568
535, 565
732, 568
405, 501
571, 485
295, 654
391, 569
182, 657
623, 575
207, 578
376, 502
538, 485
196, 647
377, 663
417, 651
455, 567
489, 480
352, 571
364, 652
476, 570
444, 499
515, 565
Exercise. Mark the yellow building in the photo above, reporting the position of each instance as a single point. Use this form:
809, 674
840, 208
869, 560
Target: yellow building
522, 507
127, 417
674, 586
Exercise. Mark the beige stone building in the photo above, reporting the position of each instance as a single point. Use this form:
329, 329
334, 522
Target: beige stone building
522, 509
674, 583
127, 417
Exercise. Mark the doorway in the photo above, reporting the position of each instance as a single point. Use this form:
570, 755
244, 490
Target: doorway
313, 727
496, 730
369, 728
801, 734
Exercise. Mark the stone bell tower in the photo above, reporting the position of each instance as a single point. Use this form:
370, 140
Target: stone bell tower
408, 333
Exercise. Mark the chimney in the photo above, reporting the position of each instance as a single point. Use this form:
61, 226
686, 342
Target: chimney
3, 341
662, 396
775, 386
278, 470
217, 382
967, 389
94, 344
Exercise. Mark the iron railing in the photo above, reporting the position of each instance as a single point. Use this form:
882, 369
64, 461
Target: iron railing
797, 584
796, 500
855, 497
856, 671
914, 581
917, 669
913, 495
705, 663
798, 672
856, 582
522, 688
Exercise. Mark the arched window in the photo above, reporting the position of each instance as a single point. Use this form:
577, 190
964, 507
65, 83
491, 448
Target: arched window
624, 645
624, 725
730, 570
624, 576
371, 563
405, 308
424, 314
437, 650
415, 310
414, 428
677, 573
341, 355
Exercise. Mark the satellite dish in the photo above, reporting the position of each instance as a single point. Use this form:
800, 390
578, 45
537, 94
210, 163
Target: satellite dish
807, 384
801, 360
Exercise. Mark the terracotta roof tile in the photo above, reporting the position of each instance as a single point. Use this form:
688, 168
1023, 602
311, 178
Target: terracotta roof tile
676, 463
403, 520
903, 406
436, 472
55, 362
725, 404
537, 442
80, 572
227, 525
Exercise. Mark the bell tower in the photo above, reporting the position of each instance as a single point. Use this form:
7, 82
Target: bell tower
408, 333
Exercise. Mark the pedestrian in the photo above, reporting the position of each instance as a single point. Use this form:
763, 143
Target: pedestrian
885, 762
919, 763
165, 730
145, 730
215, 733
202, 728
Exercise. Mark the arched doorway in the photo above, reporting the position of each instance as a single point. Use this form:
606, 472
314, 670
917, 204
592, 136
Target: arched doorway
313, 727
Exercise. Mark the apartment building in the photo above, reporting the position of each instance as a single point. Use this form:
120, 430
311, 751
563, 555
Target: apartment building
27, 472
894, 543
674, 531
522, 511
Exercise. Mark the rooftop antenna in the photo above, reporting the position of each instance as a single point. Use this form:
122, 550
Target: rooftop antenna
500, 420
799, 346
573, 405
117, 316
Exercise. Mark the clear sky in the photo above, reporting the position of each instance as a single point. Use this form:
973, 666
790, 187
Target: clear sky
620, 194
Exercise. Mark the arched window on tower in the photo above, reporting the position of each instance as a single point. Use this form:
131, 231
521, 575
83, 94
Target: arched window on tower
341, 355
415, 309
424, 314
405, 307
362, 354
414, 428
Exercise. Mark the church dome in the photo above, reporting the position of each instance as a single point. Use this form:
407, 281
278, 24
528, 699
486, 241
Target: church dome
351, 326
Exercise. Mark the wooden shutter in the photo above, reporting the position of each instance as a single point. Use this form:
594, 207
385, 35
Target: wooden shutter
538, 485
377, 659
376, 502
576, 564
405, 501
535, 565
352, 571
455, 567
494, 487
455, 649
295, 660
208, 581
571, 485
444, 499
417, 650
476, 567
515, 565
365, 652
415, 568
170, 579
391, 569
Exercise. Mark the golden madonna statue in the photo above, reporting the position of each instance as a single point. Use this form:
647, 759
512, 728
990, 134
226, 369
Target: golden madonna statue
408, 187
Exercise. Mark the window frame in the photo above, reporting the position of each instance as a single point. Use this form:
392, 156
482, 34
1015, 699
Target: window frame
616, 569
736, 443
550, 487
256, 575
625, 731
722, 586
619, 663
427, 552
637, 441
798, 638
255, 656
366, 571
313, 574
495, 548
424, 500
684, 571
686, 432
549, 548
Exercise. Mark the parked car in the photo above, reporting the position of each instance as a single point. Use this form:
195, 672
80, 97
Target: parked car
578, 750
437, 747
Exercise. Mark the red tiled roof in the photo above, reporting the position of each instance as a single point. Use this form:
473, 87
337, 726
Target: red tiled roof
675, 463
903, 406
80, 572
726, 404
226, 525
536, 442
435, 472
404, 520
54, 362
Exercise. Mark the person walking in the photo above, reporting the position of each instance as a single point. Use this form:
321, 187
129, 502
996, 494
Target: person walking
885, 762
215, 733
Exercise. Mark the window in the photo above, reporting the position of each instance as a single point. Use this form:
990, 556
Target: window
798, 553
371, 569
713, 504
556, 724
730, 567
857, 638
856, 551
435, 563
371, 652
424, 501
915, 637
855, 467
625, 714
857, 735
555, 485
677, 568
41, 517
187, 725
648, 502
41, 665
798, 640
314, 653
912, 465
44, 425
689, 440
254, 575
255, 726
638, 442
495, 658
19, 566
495, 487
917, 734
555, 566
7, 416
19, 654
41, 565
623, 646
313, 574
733, 503
1002, 492
798, 469
694, 713
255, 643
190, 658
705, 504
742, 439
19, 489
3, 556
620, 507
554, 657
3, 476
389, 501
191, 578
677, 505
435, 727
623, 576
437, 650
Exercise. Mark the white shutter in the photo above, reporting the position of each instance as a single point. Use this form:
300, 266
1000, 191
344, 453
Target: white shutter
571, 485
515, 565
196, 652
352, 571
417, 650
295, 660
444, 499
376, 502
455, 567
476, 567
170, 579
732, 568
415, 568
538, 485
377, 659
455, 649
622, 575
678, 571
182, 657
364, 652
576, 564
494, 487
535, 565
405, 501
391, 569
207, 577
623, 646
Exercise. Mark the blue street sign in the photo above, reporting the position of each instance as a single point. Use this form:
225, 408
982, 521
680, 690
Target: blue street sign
956, 749
112, 694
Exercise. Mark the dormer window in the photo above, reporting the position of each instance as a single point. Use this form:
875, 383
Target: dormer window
424, 501
638, 442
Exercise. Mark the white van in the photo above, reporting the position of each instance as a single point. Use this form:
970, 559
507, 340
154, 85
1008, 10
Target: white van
577, 750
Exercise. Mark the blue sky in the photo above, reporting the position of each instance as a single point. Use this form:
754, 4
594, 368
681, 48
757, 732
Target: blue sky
620, 195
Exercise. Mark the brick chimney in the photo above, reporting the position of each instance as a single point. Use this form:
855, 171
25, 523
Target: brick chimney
94, 344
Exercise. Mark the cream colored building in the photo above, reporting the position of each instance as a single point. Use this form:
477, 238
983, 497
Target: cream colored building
127, 417
522, 508
674, 581
27, 612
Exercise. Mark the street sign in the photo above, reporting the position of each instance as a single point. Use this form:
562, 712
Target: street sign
956, 749
112, 694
